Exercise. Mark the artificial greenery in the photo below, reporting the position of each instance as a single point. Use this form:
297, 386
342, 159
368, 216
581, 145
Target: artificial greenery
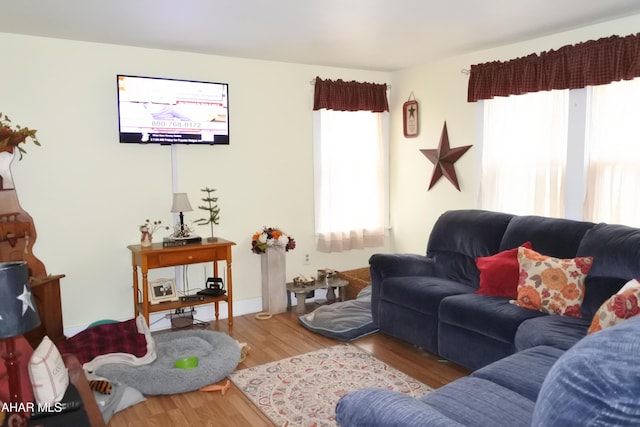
211, 208
12, 136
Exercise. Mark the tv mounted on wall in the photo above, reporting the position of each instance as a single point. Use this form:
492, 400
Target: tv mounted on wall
154, 110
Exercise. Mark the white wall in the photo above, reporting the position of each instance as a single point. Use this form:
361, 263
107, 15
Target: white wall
441, 90
88, 194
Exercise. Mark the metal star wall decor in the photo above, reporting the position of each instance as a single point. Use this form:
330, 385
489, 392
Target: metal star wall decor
443, 159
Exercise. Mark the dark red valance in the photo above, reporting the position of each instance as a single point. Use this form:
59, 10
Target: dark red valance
350, 96
591, 63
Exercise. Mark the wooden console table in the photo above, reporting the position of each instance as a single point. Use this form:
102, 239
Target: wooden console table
157, 257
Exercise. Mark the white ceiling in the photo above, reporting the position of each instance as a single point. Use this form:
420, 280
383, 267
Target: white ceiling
383, 35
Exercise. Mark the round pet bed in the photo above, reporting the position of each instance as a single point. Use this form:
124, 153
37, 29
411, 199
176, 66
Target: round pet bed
218, 355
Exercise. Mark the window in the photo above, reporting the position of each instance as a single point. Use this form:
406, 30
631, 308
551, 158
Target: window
350, 160
529, 143
613, 153
524, 153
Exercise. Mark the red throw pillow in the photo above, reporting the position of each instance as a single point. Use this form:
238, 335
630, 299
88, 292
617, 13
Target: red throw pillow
499, 273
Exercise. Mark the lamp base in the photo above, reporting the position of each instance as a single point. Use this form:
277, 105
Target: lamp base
17, 420
181, 231
17, 408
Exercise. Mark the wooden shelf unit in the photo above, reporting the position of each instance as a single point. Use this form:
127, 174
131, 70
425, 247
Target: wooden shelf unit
158, 256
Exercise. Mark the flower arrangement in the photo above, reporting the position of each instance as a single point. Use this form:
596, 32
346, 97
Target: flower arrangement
13, 136
151, 227
270, 236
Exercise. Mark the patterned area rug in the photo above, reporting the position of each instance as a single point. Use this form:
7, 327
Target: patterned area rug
303, 390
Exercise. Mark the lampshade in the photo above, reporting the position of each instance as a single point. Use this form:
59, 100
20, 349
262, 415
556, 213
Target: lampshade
181, 203
18, 313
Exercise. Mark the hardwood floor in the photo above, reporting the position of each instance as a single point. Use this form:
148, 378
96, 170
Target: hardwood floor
271, 340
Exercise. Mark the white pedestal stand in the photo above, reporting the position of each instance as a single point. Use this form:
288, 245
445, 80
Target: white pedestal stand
274, 281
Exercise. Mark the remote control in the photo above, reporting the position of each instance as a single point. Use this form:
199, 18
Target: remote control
57, 408
72, 405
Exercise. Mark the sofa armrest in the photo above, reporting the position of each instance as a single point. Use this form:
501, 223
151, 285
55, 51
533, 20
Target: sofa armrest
371, 407
391, 265
383, 266
78, 378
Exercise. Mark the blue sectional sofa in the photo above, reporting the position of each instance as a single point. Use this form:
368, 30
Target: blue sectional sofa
431, 301
594, 383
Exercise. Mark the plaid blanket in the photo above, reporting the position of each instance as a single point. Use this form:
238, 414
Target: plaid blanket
120, 342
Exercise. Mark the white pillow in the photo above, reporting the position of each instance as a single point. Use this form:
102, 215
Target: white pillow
48, 374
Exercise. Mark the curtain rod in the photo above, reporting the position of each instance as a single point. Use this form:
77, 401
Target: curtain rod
313, 83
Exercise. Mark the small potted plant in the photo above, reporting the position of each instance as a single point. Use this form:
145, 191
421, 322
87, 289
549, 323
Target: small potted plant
12, 136
213, 211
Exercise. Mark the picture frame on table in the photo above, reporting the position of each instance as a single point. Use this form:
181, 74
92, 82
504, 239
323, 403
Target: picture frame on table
161, 290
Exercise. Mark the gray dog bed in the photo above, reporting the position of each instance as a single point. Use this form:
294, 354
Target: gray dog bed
218, 355
344, 321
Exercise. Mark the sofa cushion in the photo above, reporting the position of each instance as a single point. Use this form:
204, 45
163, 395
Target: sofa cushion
374, 407
469, 232
619, 307
522, 372
477, 402
615, 250
543, 234
499, 273
459, 237
420, 293
596, 382
491, 316
556, 331
552, 285
597, 290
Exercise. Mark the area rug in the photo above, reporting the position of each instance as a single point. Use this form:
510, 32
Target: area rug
303, 390
218, 355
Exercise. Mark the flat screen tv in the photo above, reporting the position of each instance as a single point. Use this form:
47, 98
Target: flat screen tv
154, 110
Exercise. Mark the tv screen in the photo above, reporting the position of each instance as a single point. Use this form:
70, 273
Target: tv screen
155, 110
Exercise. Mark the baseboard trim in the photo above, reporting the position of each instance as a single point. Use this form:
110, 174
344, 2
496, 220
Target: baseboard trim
159, 321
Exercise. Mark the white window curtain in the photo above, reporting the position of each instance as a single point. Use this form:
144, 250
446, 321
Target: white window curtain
350, 179
613, 154
524, 146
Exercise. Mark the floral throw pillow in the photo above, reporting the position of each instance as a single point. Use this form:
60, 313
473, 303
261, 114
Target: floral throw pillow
618, 307
551, 285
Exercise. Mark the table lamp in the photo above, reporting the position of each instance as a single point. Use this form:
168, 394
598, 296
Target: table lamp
181, 204
18, 315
